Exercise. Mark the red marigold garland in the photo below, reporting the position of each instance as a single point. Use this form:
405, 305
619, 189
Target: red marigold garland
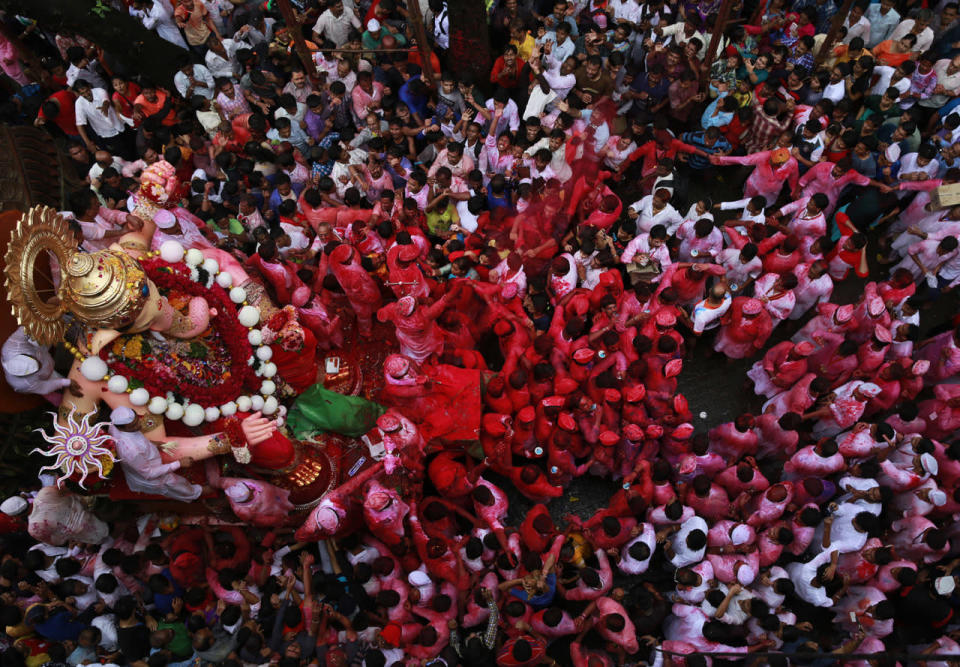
242, 378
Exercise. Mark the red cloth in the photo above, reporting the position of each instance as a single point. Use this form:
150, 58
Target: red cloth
66, 120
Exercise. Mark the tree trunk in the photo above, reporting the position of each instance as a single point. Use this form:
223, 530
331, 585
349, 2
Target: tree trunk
121, 35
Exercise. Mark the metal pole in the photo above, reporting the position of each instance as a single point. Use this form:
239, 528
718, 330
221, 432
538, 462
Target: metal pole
416, 21
299, 44
827, 47
721, 24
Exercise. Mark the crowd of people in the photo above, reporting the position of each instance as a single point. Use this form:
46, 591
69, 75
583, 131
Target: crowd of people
571, 227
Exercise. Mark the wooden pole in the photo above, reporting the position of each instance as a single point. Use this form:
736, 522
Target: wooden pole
827, 46
721, 24
416, 21
402, 50
299, 44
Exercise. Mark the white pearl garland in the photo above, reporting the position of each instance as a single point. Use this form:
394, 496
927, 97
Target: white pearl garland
95, 369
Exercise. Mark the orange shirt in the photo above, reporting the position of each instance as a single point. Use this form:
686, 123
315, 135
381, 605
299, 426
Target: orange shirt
885, 55
149, 108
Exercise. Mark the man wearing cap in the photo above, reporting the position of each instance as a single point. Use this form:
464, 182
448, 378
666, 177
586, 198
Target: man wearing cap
782, 366
416, 326
335, 515
28, 367
406, 277
255, 501
384, 512
495, 437
58, 517
372, 38
844, 410
869, 312
831, 318
744, 330
143, 469
772, 169
404, 444
776, 293
362, 292
13, 515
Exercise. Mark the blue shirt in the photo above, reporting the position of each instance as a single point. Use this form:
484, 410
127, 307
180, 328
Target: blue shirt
721, 119
59, 627
164, 601
542, 600
417, 105
698, 139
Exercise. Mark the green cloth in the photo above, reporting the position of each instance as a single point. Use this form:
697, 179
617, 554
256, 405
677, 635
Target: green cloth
370, 42
233, 226
319, 410
438, 222
180, 645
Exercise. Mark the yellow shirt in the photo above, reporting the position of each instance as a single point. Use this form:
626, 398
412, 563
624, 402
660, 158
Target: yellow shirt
525, 48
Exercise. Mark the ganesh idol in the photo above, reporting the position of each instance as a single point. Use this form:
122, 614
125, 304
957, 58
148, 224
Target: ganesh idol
180, 336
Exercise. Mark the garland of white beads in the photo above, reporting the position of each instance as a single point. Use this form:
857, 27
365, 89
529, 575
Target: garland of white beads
95, 369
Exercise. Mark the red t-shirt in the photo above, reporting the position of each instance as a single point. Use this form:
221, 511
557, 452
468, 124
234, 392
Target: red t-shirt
66, 120
126, 101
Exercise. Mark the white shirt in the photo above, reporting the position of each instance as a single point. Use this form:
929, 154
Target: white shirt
705, 318
885, 72
441, 28
630, 565
88, 74
924, 39
336, 28
160, 18
683, 555
219, 66
801, 574
739, 273
510, 118
859, 29
626, 10
835, 91
667, 216
676, 32
202, 76
90, 114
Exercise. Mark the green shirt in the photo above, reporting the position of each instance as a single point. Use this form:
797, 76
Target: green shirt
233, 227
438, 222
180, 645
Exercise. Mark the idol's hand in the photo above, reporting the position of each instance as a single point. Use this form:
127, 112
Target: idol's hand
257, 428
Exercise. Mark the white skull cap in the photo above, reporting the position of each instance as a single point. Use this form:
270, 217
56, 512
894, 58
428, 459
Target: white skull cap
122, 416
14, 505
938, 498
419, 578
21, 366
238, 493
740, 535
328, 519
929, 463
164, 219
745, 574
945, 585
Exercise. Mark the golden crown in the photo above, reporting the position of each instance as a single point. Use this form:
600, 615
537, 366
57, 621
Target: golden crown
105, 289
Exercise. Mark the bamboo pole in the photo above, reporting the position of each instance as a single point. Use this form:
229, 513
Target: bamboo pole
721, 24
416, 21
827, 46
299, 44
